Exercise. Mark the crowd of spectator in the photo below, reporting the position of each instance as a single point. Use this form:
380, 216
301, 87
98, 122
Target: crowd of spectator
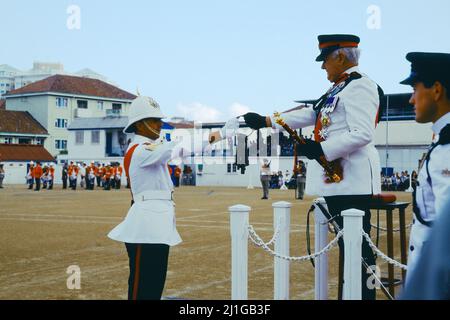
398, 181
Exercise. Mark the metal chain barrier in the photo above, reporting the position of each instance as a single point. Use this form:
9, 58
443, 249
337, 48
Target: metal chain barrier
256, 239
394, 230
382, 255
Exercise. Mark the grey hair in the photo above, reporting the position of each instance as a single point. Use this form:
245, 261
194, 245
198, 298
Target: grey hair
352, 54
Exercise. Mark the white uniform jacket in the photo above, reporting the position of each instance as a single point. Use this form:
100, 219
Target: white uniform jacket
153, 220
431, 193
349, 136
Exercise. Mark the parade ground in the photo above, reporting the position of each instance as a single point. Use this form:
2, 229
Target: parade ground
43, 233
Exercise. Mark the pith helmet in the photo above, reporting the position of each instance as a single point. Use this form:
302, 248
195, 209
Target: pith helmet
141, 108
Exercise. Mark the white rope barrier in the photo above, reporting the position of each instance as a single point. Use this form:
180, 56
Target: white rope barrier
242, 231
260, 243
382, 255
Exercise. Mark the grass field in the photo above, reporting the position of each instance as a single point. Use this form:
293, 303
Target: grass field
43, 233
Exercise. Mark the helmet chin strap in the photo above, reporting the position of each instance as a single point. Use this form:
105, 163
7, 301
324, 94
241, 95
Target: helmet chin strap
151, 129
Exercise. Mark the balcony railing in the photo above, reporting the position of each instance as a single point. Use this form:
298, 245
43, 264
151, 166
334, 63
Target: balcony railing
113, 113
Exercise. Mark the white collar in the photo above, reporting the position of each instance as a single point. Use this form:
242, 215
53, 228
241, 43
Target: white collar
441, 123
352, 69
141, 139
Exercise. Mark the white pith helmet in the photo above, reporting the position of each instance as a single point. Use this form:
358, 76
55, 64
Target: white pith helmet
141, 108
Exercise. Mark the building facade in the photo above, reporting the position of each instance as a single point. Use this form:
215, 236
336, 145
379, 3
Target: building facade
56, 101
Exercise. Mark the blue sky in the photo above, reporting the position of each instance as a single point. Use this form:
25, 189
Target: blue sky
208, 60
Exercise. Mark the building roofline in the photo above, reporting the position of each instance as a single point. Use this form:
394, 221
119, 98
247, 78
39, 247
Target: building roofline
61, 94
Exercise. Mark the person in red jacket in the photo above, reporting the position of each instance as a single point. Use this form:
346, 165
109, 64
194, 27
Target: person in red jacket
37, 176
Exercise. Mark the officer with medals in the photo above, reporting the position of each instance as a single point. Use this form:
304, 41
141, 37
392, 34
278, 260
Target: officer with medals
149, 228
345, 118
430, 78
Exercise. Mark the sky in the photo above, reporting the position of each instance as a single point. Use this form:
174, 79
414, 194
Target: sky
211, 60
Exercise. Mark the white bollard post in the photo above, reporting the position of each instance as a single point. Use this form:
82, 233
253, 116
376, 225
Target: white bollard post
281, 221
320, 242
239, 251
410, 189
353, 227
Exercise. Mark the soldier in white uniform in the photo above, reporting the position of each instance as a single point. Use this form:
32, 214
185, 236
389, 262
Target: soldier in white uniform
430, 78
149, 228
345, 118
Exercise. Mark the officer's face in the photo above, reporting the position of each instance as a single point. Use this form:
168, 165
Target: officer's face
152, 127
425, 106
333, 67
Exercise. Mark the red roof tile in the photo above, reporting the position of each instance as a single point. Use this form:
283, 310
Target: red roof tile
20, 122
24, 152
74, 85
182, 125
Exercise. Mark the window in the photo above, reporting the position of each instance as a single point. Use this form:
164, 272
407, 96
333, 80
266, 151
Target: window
61, 102
61, 123
40, 141
117, 106
100, 105
8, 140
95, 136
231, 167
61, 144
82, 104
24, 141
79, 137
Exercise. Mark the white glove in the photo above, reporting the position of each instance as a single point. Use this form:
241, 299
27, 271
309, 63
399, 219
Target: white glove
230, 128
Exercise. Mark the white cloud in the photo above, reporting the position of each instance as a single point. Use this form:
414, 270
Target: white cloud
237, 109
202, 113
198, 112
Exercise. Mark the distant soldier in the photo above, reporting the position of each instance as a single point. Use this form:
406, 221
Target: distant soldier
107, 177
37, 176
82, 175
99, 174
2, 175
112, 180
265, 178
65, 175
51, 176
30, 175
73, 175
301, 179
119, 172
44, 178
90, 176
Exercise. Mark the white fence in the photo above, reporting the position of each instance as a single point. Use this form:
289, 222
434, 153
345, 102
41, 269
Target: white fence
242, 231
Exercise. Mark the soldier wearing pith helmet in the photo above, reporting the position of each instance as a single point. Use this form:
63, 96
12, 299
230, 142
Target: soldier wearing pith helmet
344, 118
149, 228
430, 78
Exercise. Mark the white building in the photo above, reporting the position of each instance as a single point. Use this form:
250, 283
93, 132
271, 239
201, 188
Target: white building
12, 78
56, 101
19, 127
7, 78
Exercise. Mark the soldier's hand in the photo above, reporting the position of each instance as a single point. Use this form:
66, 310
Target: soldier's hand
312, 149
255, 121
